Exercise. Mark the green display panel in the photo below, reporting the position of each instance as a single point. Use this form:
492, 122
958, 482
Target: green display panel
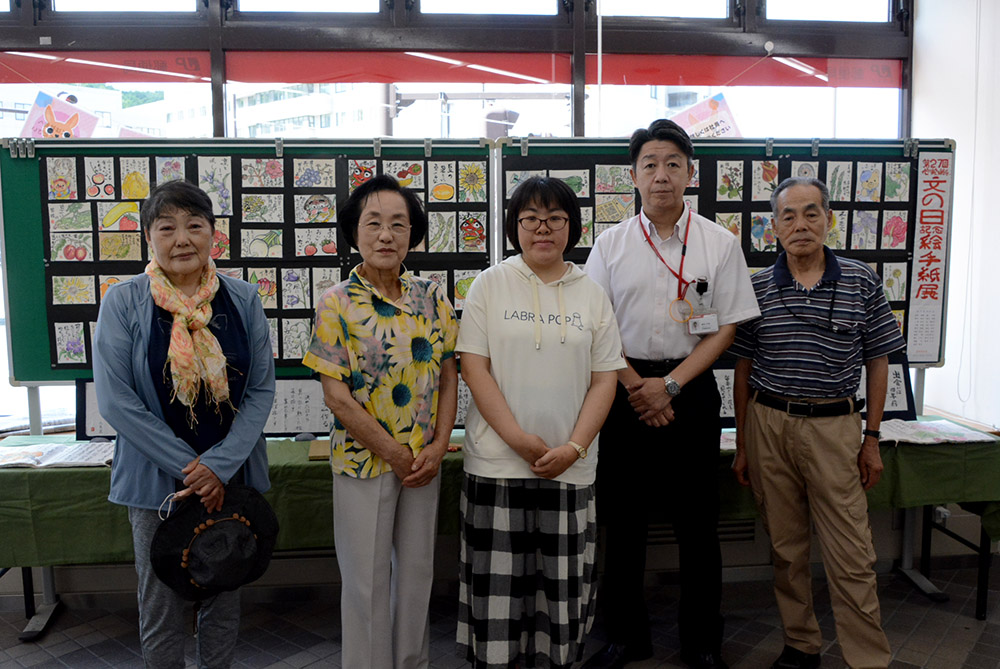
71, 228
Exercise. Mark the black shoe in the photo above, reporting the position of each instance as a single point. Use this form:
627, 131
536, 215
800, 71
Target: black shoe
703, 660
793, 658
616, 656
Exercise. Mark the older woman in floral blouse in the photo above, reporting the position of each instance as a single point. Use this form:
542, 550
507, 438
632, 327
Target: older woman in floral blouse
384, 344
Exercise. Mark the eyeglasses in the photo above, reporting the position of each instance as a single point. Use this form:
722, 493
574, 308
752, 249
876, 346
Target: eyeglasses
531, 223
375, 228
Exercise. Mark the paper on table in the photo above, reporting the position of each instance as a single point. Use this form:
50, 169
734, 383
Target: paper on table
930, 432
87, 454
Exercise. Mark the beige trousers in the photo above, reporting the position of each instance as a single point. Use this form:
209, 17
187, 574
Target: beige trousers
802, 468
384, 535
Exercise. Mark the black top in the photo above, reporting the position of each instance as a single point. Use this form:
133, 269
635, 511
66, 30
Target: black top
213, 422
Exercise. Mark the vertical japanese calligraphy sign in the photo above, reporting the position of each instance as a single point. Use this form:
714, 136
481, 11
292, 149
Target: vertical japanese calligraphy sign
928, 266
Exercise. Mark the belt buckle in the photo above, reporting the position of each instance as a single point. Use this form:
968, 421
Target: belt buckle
799, 409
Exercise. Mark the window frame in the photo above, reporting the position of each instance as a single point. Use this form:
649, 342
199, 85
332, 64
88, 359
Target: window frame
217, 28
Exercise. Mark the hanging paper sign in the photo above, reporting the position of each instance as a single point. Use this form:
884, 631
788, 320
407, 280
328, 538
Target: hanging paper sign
935, 175
54, 118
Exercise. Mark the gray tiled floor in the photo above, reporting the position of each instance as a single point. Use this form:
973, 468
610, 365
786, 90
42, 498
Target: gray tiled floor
922, 633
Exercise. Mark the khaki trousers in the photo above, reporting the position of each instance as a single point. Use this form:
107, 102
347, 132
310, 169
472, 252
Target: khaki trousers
802, 468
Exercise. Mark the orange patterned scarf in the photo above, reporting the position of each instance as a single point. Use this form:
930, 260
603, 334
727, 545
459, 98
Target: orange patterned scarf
194, 355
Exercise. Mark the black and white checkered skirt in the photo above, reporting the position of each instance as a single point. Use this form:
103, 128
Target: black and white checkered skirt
526, 572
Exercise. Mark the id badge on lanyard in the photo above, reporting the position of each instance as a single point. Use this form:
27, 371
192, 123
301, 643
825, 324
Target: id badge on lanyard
700, 320
704, 320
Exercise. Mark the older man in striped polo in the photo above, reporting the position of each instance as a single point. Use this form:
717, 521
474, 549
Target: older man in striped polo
799, 441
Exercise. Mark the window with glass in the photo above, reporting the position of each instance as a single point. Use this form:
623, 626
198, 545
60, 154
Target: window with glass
694, 9
531, 7
110, 94
125, 6
868, 11
326, 6
751, 97
401, 94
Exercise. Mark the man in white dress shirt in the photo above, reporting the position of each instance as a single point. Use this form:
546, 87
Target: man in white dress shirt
679, 285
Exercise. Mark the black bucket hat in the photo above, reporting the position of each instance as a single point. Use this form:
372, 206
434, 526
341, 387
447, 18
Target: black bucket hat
200, 554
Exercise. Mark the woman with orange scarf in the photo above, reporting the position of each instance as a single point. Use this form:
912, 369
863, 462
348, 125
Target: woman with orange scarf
185, 374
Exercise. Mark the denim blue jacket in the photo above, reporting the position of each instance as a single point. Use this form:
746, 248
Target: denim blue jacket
148, 457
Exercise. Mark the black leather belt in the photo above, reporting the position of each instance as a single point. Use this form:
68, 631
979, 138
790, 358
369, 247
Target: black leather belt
809, 409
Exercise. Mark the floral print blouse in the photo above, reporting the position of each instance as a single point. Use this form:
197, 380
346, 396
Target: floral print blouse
390, 354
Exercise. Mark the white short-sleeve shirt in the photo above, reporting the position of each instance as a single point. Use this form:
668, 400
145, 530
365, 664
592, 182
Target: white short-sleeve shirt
641, 288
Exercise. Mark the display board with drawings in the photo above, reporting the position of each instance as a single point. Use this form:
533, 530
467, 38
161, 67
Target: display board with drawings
890, 203
276, 228
298, 408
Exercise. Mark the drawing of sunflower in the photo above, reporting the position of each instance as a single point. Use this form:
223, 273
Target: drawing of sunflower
471, 183
73, 290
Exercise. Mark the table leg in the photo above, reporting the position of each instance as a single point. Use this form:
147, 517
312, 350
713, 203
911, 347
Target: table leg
983, 580
46, 611
906, 563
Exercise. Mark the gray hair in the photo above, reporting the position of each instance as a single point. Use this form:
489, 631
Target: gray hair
800, 181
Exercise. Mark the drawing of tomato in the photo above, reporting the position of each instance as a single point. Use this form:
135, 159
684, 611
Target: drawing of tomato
415, 168
443, 192
128, 223
69, 252
310, 249
329, 247
81, 252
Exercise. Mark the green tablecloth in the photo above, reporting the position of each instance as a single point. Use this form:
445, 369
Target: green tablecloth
62, 516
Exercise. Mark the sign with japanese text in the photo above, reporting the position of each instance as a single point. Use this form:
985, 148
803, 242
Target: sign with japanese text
935, 175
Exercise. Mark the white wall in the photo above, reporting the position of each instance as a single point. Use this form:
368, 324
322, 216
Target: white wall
951, 99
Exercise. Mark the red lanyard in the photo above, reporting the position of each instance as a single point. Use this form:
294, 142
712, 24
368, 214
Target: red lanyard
682, 285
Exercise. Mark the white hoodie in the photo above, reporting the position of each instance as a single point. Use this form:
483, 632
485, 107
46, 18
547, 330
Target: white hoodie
543, 342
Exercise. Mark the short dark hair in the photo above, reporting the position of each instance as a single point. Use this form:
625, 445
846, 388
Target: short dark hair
350, 213
800, 181
660, 130
548, 192
176, 194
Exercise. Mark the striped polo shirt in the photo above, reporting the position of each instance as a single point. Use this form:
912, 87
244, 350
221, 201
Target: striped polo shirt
812, 343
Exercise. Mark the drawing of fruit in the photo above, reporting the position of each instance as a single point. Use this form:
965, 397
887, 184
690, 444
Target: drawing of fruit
310, 249
81, 252
69, 252
462, 285
443, 192
117, 213
110, 281
93, 191
416, 168
128, 223
329, 247
135, 186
